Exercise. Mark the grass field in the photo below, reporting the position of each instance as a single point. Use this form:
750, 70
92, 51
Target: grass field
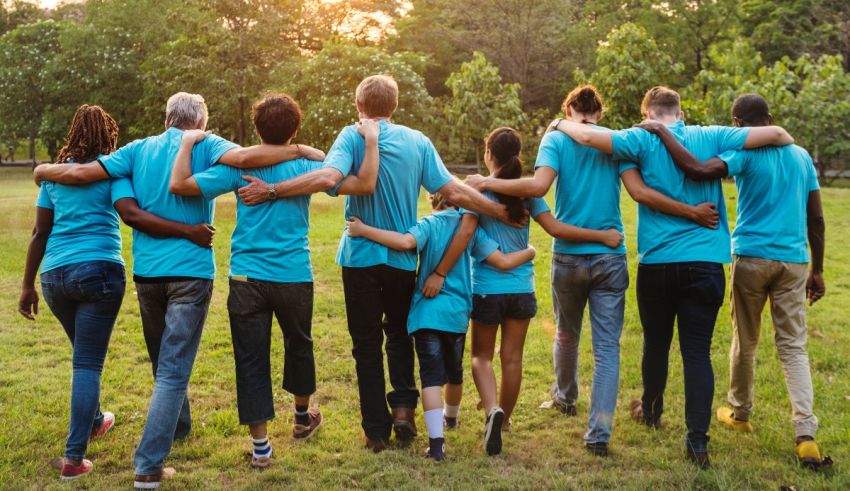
543, 451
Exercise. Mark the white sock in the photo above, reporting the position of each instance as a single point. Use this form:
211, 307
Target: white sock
262, 447
451, 411
434, 423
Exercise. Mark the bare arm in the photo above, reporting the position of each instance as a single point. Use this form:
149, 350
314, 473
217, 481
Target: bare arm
266, 155
704, 214
815, 286
587, 136
70, 173
182, 182
367, 176
762, 136
695, 169
28, 302
528, 187
128, 208
389, 238
463, 196
511, 260
564, 231
457, 247
257, 190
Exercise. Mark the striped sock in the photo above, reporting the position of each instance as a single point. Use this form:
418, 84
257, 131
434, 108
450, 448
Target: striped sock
302, 417
262, 447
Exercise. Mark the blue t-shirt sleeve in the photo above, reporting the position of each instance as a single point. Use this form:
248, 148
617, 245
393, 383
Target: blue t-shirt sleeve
736, 161
482, 245
549, 154
215, 147
421, 231
434, 172
464, 211
624, 166
629, 144
726, 138
811, 174
43, 200
341, 154
120, 162
536, 206
121, 188
218, 180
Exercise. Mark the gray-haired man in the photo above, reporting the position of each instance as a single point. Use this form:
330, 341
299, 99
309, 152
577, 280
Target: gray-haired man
174, 277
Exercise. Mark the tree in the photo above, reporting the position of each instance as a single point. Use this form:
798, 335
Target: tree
628, 64
325, 83
479, 103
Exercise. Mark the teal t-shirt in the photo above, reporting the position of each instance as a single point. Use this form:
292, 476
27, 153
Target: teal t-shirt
148, 163
664, 238
587, 190
490, 280
270, 240
449, 311
408, 161
773, 193
85, 224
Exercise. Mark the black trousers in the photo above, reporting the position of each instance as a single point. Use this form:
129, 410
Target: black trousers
251, 305
690, 294
377, 301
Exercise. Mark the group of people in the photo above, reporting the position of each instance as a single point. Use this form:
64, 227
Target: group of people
474, 263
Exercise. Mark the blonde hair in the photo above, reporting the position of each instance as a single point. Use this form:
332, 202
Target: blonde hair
662, 100
378, 95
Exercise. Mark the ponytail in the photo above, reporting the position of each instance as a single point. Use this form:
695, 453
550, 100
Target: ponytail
505, 146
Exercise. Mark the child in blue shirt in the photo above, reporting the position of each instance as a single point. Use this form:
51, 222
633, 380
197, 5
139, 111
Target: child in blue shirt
439, 323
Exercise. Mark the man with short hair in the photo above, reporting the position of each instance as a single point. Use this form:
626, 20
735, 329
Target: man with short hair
270, 271
173, 276
379, 282
680, 276
779, 204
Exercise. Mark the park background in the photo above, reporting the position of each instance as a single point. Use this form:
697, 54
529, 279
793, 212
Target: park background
463, 68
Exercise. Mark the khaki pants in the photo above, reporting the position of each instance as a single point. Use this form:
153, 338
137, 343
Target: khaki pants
753, 281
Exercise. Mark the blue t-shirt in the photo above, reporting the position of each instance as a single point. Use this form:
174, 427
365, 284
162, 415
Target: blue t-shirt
270, 240
490, 280
408, 161
85, 224
449, 311
587, 190
665, 238
148, 163
773, 193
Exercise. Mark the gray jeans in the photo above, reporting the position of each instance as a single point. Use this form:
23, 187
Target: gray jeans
600, 280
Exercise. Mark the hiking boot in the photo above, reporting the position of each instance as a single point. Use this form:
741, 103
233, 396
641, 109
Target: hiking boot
700, 458
404, 423
72, 471
375, 445
493, 431
638, 415
303, 432
727, 416
598, 449
563, 407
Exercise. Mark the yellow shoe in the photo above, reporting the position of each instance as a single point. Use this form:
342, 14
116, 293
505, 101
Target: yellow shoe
809, 456
726, 416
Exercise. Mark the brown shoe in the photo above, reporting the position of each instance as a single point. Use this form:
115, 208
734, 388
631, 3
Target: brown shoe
153, 481
376, 446
404, 423
699, 458
303, 432
637, 415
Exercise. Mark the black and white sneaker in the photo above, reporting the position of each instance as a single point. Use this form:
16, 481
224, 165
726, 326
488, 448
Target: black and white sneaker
493, 431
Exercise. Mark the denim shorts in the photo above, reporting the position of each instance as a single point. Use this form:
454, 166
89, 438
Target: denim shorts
440, 356
494, 309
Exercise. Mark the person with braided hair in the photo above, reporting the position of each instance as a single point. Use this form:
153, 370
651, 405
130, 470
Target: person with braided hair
78, 245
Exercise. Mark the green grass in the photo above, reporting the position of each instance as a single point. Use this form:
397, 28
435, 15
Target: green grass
544, 450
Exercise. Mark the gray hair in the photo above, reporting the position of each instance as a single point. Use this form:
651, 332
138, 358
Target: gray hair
184, 110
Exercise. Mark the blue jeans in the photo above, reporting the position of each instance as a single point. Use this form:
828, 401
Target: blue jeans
691, 294
85, 297
173, 315
601, 280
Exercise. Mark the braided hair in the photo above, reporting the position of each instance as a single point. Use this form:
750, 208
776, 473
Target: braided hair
505, 146
93, 132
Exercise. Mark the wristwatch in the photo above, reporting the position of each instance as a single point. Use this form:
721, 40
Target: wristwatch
272, 193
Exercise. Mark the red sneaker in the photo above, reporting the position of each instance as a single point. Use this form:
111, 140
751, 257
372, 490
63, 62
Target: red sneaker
70, 471
108, 423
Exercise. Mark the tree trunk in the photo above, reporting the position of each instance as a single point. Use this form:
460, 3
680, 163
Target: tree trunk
32, 149
477, 159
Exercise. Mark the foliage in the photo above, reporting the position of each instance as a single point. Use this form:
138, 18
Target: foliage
324, 85
479, 103
628, 64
